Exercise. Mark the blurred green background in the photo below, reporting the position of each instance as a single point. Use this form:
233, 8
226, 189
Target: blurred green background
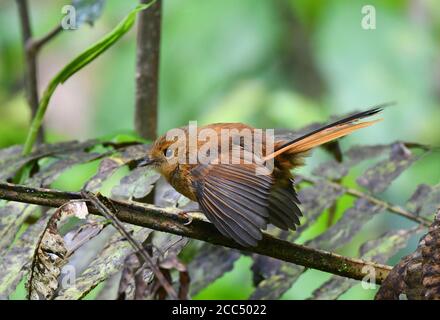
272, 64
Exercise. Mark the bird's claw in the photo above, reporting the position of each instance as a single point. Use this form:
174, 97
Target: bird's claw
185, 215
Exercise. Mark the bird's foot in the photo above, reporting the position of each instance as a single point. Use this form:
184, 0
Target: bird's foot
185, 215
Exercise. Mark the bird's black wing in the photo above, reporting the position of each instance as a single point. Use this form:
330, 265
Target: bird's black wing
283, 207
235, 199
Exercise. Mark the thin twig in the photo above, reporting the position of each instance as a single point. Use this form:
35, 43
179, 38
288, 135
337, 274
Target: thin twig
169, 220
386, 205
147, 70
108, 214
37, 44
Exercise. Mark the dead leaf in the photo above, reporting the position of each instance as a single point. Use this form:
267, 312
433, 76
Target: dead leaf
15, 261
377, 250
137, 184
10, 165
336, 170
210, 263
378, 177
107, 167
53, 250
425, 200
109, 261
347, 227
139, 282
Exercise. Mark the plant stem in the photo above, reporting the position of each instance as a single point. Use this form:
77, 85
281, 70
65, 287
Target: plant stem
37, 44
108, 214
147, 70
74, 66
31, 70
359, 194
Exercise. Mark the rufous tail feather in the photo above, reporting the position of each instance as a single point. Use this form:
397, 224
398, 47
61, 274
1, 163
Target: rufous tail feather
327, 133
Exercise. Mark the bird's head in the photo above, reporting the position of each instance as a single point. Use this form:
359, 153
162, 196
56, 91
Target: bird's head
162, 156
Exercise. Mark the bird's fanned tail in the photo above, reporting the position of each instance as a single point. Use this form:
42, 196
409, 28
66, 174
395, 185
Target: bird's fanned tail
327, 133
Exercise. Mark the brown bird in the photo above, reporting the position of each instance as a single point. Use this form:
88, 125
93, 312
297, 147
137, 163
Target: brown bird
237, 199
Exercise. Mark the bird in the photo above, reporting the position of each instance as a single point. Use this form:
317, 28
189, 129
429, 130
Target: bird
238, 200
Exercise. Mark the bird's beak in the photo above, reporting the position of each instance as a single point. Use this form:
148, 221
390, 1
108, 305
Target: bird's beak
144, 161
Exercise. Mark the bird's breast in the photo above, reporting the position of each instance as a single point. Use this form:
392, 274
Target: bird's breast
182, 181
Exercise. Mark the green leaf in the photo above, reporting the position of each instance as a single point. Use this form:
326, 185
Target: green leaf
107, 167
77, 64
278, 283
8, 153
124, 156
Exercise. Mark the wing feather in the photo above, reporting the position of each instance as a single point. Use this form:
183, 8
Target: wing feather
235, 199
283, 210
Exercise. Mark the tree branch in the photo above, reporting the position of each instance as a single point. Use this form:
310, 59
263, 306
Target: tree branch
31, 71
147, 259
37, 44
147, 70
169, 220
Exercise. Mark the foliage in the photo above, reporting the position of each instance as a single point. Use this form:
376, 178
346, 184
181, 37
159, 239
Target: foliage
77, 64
34, 247
319, 191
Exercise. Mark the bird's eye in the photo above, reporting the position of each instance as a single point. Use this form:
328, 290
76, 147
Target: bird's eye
168, 153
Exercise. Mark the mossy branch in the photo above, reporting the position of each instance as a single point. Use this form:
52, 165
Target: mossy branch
169, 220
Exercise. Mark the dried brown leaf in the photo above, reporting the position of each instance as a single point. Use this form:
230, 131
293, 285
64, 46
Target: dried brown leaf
348, 226
335, 170
109, 261
139, 282
377, 250
52, 251
107, 167
431, 262
210, 263
137, 184
378, 177
425, 200
15, 262
9, 166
